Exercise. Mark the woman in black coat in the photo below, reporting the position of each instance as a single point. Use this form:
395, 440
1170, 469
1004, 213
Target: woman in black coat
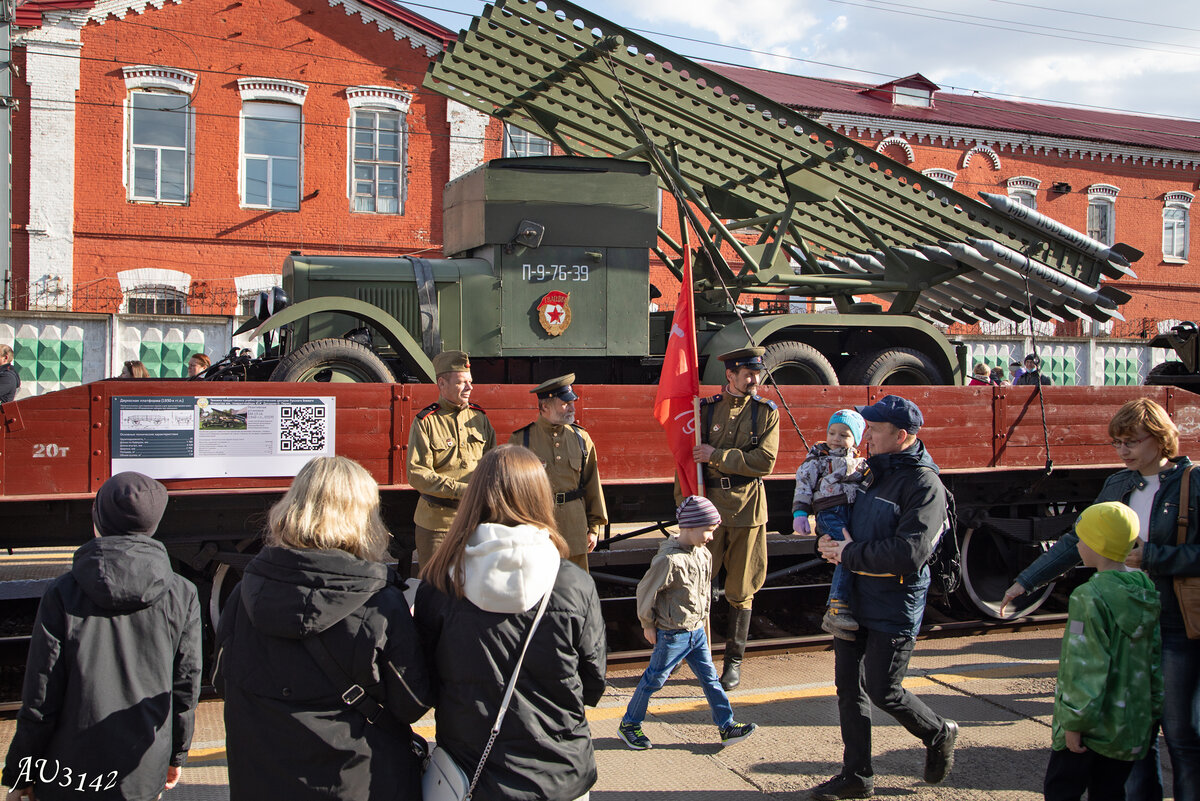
317, 656
481, 592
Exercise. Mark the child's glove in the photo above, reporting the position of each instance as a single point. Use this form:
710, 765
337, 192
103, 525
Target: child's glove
800, 523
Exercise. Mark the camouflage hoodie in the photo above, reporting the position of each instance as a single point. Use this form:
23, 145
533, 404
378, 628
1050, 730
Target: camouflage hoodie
1109, 680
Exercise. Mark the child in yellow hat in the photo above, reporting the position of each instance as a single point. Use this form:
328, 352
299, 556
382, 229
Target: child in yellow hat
1110, 688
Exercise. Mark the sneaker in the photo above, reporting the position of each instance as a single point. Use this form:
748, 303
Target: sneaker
736, 732
837, 625
631, 734
940, 758
843, 787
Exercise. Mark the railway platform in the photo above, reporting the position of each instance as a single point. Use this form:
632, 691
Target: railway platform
999, 687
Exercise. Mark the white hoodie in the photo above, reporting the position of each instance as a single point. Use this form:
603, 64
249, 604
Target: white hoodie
507, 569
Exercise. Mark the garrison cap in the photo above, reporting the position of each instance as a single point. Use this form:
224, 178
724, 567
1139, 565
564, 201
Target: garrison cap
556, 388
451, 361
744, 357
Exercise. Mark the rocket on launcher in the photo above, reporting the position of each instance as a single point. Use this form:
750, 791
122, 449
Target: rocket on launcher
1104, 300
1054, 228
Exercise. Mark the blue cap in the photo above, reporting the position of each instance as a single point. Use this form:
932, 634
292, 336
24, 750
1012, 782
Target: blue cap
893, 409
851, 420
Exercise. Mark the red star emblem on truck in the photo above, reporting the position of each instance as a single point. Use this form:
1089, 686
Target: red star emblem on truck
554, 312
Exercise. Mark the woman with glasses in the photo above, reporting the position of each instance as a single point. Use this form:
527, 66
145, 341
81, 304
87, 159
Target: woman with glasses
1148, 443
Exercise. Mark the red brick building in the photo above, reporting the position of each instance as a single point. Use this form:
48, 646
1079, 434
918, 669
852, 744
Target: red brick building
168, 156
1118, 177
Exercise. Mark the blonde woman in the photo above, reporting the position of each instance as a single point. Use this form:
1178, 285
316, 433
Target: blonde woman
1147, 442
316, 615
480, 594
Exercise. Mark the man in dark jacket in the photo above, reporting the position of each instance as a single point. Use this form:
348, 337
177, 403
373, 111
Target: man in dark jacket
895, 524
113, 675
1032, 375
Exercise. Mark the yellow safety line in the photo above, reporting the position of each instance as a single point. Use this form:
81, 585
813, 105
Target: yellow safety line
427, 730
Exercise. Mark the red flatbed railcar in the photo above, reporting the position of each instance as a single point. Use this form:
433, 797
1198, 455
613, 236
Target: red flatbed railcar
55, 451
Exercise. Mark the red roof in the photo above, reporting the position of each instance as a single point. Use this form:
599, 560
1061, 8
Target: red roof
29, 15
974, 111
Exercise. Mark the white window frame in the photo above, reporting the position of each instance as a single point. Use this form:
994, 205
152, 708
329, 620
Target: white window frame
518, 143
1103, 196
917, 96
1181, 230
1024, 189
378, 100
942, 176
272, 98
149, 79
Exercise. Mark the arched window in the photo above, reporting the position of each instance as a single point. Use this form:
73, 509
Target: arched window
1024, 189
271, 142
378, 138
1176, 225
1101, 214
158, 135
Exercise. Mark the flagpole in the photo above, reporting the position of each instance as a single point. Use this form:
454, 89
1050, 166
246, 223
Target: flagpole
699, 440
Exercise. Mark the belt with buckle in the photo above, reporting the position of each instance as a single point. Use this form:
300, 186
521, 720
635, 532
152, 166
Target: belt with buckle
448, 503
725, 481
566, 497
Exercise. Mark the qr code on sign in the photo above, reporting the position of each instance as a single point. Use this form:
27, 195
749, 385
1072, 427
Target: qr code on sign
301, 428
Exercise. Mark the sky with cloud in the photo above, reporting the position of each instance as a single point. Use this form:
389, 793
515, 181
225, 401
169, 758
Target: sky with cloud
1137, 57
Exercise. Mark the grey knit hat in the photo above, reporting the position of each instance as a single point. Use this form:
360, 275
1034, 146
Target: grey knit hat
697, 512
129, 503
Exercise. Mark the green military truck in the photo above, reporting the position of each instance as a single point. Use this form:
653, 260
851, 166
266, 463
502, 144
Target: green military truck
550, 257
551, 275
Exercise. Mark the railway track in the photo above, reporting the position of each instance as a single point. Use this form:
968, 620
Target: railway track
787, 620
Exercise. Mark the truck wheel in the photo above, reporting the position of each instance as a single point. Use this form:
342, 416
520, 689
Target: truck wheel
893, 367
339, 361
797, 363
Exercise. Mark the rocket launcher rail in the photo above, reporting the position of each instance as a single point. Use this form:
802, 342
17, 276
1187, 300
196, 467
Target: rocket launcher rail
595, 88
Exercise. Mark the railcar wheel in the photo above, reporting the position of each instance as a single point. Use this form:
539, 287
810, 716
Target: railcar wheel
797, 363
893, 367
338, 361
988, 561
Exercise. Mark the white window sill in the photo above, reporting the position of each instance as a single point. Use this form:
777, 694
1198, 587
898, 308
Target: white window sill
1173, 260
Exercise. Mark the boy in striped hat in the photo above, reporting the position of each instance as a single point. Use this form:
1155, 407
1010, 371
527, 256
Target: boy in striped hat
672, 603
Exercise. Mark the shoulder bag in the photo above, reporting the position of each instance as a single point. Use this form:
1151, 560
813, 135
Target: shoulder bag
444, 779
1187, 588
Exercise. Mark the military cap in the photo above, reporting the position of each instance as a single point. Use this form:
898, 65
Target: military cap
900, 412
556, 388
743, 357
451, 361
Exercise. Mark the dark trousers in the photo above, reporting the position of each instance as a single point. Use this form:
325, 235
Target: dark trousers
869, 669
1069, 774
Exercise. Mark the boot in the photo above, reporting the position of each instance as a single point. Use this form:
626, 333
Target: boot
735, 647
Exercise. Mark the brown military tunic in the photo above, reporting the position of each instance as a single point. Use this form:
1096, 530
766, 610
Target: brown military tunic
566, 463
740, 542
444, 446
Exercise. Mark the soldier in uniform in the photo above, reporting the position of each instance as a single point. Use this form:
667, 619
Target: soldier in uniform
570, 459
739, 442
447, 440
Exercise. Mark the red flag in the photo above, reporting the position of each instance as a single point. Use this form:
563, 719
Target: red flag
679, 383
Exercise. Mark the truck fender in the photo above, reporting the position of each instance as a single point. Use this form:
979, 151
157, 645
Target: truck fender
765, 327
395, 334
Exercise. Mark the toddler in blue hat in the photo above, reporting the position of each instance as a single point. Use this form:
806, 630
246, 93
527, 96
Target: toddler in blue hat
826, 484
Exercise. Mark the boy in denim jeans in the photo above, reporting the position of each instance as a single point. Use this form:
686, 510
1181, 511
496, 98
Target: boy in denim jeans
672, 604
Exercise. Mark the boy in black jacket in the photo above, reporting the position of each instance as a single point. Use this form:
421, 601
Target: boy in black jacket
113, 675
